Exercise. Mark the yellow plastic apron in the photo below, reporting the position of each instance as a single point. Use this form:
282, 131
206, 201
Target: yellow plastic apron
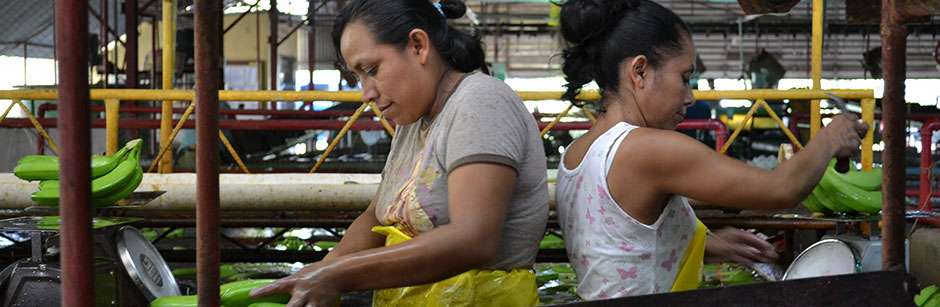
472, 288
690, 271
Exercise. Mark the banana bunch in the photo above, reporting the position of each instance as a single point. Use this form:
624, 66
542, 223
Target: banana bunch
234, 294
855, 191
114, 177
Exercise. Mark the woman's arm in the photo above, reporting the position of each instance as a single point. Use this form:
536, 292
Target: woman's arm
359, 235
478, 194
666, 162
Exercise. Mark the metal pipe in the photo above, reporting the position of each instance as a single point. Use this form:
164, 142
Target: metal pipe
146, 6
721, 131
208, 80
312, 42
817, 40
240, 17
893, 107
353, 96
926, 141
78, 284
105, 26
169, 57
272, 47
131, 53
111, 125
868, 116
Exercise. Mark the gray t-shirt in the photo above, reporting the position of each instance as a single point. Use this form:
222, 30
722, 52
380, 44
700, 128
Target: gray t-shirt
482, 121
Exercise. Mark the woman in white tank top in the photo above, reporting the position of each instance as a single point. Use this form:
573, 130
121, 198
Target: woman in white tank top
621, 187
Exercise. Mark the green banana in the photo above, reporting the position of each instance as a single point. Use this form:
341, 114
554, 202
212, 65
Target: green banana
266, 304
849, 195
176, 301
869, 180
122, 193
33, 158
826, 200
49, 184
39, 167
813, 205
235, 294
100, 187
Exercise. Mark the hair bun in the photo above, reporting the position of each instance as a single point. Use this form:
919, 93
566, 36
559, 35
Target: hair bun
582, 20
453, 8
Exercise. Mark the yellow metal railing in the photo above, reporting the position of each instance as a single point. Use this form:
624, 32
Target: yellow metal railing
112, 97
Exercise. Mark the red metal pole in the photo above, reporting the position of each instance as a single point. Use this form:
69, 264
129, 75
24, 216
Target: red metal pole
207, 150
130, 53
893, 42
312, 42
272, 47
78, 284
104, 41
926, 140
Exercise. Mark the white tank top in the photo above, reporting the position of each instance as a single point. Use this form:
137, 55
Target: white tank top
613, 254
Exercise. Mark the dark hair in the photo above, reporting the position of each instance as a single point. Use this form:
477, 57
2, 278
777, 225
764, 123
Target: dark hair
392, 20
601, 34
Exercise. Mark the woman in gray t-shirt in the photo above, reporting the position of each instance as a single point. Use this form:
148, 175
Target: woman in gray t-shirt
463, 198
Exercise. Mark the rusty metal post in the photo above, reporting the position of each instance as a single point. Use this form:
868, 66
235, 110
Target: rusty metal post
272, 46
207, 150
893, 43
78, 286
130, 53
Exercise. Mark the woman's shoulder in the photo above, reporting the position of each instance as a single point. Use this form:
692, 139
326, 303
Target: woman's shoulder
479, 86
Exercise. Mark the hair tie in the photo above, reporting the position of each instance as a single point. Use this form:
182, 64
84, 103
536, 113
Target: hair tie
437, 5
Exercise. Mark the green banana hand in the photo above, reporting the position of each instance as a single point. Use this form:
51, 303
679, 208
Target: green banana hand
123, 192
102, 186
849, 195
39, 167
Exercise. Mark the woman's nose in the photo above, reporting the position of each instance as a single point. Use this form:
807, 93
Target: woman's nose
369, 92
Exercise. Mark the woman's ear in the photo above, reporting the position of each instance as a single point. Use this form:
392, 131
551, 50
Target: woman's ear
636, 71
419, 44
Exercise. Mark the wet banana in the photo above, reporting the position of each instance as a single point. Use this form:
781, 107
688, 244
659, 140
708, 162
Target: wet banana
825, 199
233, 294
869, 180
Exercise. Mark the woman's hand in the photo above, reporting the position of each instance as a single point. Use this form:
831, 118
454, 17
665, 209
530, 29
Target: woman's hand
844, 133
311, 286
735, 245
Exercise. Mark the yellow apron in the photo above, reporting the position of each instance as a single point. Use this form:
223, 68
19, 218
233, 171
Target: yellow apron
472, 288
690, 271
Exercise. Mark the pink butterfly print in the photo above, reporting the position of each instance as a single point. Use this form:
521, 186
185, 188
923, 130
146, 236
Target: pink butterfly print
626, 248
588, 243
668, 263
605, 281
571, 205
584, 260
672, 213
645, 256
685, 237
590, 198
622, 292
578, 184
657, 288
659, 230
609, 221
589, 217
603, 295
602, 210
624, 274
570, 227
686, 210
601, 193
